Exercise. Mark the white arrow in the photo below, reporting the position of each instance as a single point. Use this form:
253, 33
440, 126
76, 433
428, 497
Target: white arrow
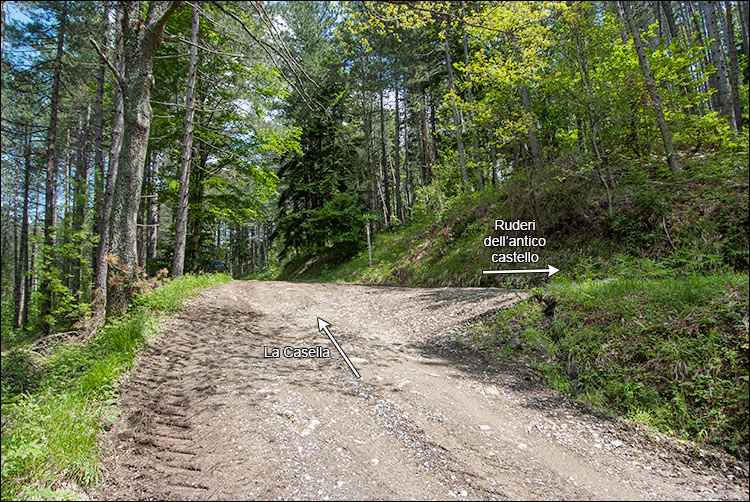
323, 326
550, 271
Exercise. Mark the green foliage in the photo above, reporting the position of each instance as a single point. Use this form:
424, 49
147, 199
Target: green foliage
54, 407
317, 207
58, 266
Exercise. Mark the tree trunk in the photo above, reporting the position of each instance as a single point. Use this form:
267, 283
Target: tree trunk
99, 142
178, 259
141, 218
743, 21
534, 147
719, 62
33, 279
407, 178
427, 152
50, 204
140, 41
666, 7
372, 196
195, 218
666, 135
384, 168
80, 196
470, 100
734, 68
153, 211
457, 124
22, 285
99, 294
397, 184
698, 32
2, 27
68, 180
493, 157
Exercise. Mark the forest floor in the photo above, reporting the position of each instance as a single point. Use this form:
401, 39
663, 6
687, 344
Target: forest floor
205, 416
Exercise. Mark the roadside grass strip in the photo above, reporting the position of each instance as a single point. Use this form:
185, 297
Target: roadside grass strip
670, 353
54, 406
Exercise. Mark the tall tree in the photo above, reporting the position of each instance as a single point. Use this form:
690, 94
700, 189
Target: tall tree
734, 67
50, 205
99, 138
141, 38
22, 291
470, 101
458, 128
719, 61
80, 194
666, 135
99, 293
397, 183
178, 259
2, 26
386, 196
152, 218
742, 8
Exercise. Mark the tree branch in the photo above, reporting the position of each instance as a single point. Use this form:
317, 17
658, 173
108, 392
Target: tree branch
112, 68
265, 48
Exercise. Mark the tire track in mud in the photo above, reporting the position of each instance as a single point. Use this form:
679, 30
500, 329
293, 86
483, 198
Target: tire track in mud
173, 388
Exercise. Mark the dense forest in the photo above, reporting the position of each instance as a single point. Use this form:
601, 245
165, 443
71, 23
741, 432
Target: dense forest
246, 133
366, 141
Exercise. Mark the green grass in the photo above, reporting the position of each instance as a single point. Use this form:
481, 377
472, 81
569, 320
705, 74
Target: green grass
54, 407
671, 352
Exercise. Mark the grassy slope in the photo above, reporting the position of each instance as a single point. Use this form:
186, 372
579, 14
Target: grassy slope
54, 407
648, 316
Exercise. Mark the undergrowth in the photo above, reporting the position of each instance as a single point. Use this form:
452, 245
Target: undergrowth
54, 406
695, 221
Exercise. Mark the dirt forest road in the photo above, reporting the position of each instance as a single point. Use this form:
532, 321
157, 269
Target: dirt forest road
206, 416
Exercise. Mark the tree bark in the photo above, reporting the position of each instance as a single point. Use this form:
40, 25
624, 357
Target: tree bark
427, 152
99, 142
180, 233
719, 62
99, 294
50, 197
80, 192
140, 41
397, 184
534, 147
2, 26
713, 101
743, 21
666, 7
493, 157
153, 211
734, 68
22, 284
666, 135
384, 167
407, 178
195, 218
457, 124
470, 100
372, 196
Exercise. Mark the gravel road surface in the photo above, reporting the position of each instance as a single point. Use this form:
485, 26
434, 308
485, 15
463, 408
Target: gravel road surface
205, 415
